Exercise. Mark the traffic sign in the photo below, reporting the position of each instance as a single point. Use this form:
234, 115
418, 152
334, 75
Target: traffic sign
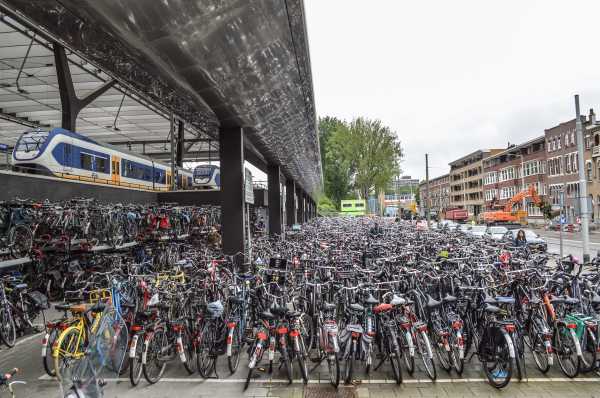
563, 219
3, 147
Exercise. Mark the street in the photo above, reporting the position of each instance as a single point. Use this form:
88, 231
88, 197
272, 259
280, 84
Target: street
572, 242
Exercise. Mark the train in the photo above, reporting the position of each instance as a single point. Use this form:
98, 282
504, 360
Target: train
207, 176
66, 154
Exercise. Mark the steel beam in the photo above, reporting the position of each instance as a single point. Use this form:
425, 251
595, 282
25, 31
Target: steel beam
231, 151
180, 143
71, 105
274, 186
158, 142
290, 202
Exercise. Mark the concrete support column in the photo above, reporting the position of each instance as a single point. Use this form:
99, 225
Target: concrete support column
300, 195
274, 186
231, 150
290, 202
180, 143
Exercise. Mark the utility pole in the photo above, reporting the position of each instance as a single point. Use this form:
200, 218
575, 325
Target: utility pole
562, 205
427, 210
585, 231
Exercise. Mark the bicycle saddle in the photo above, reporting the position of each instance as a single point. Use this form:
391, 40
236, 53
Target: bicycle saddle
449, 298
279, 310
397, 300
557, 300
505, 299
146, 314
62, 307
371, 300
330, 306
20, 286
536, 300
267, 315
491, 308
431, 303
128, 305
293, 314
571, 301
357, 307
98, 307
489, 300
236, 300
382, 308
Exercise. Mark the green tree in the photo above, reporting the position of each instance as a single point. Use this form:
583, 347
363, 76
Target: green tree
336, 169
371, 152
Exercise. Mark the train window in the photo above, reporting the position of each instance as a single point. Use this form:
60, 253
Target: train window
101, 164
147, 173
86, 161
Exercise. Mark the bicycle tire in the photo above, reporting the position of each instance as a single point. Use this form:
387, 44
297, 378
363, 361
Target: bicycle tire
8, 328
135, 363
233, 360
65, 343
424, 348
349, 363
333, 366
287, 366
458, 363
205, 358
565, 344
499, 343
537, 347
153, 347
408, 359
394, 357
47, 359
588, 350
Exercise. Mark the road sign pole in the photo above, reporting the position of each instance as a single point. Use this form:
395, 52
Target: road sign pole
560, 223
583, 197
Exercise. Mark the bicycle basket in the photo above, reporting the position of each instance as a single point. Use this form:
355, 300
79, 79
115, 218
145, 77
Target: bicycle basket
39, 300
215, 309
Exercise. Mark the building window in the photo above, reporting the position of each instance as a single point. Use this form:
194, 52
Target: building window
558, 146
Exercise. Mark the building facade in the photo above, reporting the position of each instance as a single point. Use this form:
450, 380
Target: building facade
508, 172
466, 182
439, 194
562, 164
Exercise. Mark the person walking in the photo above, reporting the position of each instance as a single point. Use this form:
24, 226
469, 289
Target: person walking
520, 239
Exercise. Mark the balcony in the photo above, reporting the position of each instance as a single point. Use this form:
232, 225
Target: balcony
596, 151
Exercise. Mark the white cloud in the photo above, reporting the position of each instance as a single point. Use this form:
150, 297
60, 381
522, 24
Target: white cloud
451, 77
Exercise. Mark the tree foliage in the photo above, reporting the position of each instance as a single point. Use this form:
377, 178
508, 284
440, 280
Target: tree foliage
363, 155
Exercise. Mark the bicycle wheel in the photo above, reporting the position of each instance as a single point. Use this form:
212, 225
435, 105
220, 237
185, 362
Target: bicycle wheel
233, 359
205, 356
189, 349
135, 359
8, 327
393, 353
537, 345
494, 354
153, 357
442, 354
47, 359
425, 351
70, 346
287, 366
566, 344
519, 355
20, 240
333, 366
349, 362
301, 357
457, 353
307, 331
588, 350
408, 354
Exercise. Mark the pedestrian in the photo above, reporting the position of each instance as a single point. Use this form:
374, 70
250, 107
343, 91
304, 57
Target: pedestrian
520, 239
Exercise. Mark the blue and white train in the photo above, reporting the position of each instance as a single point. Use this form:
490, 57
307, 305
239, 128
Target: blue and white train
207, 176
70, 155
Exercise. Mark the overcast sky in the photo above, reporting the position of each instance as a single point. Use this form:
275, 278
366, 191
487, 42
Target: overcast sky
454, 76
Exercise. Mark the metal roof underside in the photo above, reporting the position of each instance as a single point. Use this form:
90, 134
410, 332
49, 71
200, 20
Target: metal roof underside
211, 62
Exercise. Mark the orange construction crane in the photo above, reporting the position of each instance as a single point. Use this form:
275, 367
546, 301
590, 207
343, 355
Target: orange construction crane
507, 214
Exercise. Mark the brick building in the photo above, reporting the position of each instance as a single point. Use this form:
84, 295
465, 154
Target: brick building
466, 181
439, 194
507, 172
562, 163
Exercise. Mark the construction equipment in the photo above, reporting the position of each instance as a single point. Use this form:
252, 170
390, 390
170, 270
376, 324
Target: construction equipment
507, 214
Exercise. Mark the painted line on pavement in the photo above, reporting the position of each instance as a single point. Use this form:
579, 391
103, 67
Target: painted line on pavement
373, 381
28, 338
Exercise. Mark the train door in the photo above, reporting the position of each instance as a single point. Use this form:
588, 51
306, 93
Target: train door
169, 188
67, 163
116, 170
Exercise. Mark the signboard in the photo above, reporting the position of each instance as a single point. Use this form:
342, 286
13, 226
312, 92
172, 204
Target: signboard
3, 147
248, 187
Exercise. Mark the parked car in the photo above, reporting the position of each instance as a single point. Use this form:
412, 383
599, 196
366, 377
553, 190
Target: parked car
447, 224
534, 241
464, 228
478, 231
496, 232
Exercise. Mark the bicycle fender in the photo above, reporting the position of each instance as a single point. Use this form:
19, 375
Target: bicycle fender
133, 346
